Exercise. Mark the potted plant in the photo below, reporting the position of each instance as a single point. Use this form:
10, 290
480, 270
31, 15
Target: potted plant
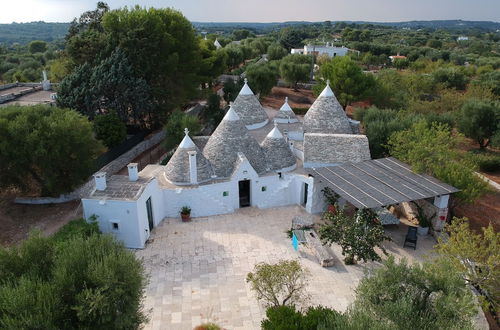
186, 213
331, 199
424, 222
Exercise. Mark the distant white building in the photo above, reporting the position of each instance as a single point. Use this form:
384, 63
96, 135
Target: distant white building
328, 49
217, 44
462, 38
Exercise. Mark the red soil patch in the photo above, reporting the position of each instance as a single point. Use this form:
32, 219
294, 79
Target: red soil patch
303, 98
485, 210
17, 220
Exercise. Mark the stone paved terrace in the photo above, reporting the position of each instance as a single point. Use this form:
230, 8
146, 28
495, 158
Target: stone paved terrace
197, 270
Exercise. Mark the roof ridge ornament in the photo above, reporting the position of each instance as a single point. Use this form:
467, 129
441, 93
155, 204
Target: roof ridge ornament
327, 91
186, 142
245, 90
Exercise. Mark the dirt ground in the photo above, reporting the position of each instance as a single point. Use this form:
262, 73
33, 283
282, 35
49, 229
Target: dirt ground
482, 212
302, 98
17, 221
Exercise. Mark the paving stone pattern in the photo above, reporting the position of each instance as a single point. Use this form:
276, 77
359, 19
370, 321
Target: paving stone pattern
197, 270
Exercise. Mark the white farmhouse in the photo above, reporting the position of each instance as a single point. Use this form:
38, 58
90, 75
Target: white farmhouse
328, 49
249, 160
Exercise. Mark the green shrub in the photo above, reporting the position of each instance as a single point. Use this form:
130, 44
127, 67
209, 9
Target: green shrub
175, 126
486, 162
109, 129
78, 279
77, 228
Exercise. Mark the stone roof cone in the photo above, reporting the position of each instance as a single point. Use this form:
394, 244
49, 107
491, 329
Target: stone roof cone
217, 44
279, 157
229, 138
326, 115
177, 169
249, 109
285, 114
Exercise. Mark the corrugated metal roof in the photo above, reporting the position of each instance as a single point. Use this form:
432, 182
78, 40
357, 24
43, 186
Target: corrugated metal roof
379, 182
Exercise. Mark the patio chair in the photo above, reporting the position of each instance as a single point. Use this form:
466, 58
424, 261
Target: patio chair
411, 237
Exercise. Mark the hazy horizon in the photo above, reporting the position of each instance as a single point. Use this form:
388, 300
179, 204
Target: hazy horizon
264, 11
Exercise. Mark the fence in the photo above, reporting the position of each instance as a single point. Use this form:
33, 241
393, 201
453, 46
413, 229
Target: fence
117, 151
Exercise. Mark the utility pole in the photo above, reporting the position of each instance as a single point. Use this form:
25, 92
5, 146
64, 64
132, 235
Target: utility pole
312, 62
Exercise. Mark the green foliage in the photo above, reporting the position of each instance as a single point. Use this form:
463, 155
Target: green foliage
279, 284
432, 296
432, 150
450, 78
358, 236
213, 113
77, 228
111, 84
490, 80
262, 78
276, 52
479, 120
37, 46
288, 318
295, 68
207, 326
53, 147
476, 256
109, 129
213, 61
174, 129
231, 89
486, 161
347, 80
79, 279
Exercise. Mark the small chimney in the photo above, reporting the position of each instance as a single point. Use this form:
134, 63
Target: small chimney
100, 181
193, 168
133, 173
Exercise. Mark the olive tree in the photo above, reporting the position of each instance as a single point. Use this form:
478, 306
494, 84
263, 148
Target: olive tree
279, 284
479, 120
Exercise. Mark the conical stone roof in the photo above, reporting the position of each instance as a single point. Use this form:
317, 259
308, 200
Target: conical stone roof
277, 152
229, 138
285, 114
177, 169
326, 115
249, 109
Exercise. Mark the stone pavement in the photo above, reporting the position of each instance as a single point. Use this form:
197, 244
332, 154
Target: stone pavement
197, 270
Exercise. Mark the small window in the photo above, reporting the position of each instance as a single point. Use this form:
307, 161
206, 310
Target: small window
264, 188
115, 226
225, 193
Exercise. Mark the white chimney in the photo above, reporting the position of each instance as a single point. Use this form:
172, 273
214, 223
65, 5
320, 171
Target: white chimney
133, 173
193, 168
100, 181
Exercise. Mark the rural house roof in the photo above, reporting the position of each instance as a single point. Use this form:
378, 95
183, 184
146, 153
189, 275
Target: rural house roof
326, 115
177, 169
277, 151
285, 114
229, 138
249, 109
333, 149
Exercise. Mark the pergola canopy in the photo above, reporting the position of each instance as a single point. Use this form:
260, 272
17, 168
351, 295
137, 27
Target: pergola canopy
379, 182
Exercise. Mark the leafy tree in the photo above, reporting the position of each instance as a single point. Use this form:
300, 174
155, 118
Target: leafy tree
295, 68
231, 89
234, 54
53, 147
431, 149
262, 78
347, 80
241, 34
213, 61
213, 113
490, 80
479, 120
174, 129
432, 296
279, 284
401, 63
37, 46
162, 48
110, 85
276, 52
476, 256
288, 318
109, 129
357, 236
80, 280
292, 37
450, 78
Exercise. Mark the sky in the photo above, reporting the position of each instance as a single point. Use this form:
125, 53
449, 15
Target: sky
266, 10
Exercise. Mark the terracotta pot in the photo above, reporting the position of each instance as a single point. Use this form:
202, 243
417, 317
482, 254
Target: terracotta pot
332, 209
186, 217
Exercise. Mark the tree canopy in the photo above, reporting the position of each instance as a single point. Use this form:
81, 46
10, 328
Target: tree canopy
54, 148
295, 68
479, 120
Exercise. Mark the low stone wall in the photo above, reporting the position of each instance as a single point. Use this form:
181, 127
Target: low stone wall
110, 169
7, 86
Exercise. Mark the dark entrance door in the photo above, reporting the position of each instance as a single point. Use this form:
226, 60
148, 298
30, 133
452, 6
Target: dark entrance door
149, 208
244, 188
306, 188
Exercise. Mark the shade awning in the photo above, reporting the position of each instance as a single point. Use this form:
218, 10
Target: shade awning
379, 182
